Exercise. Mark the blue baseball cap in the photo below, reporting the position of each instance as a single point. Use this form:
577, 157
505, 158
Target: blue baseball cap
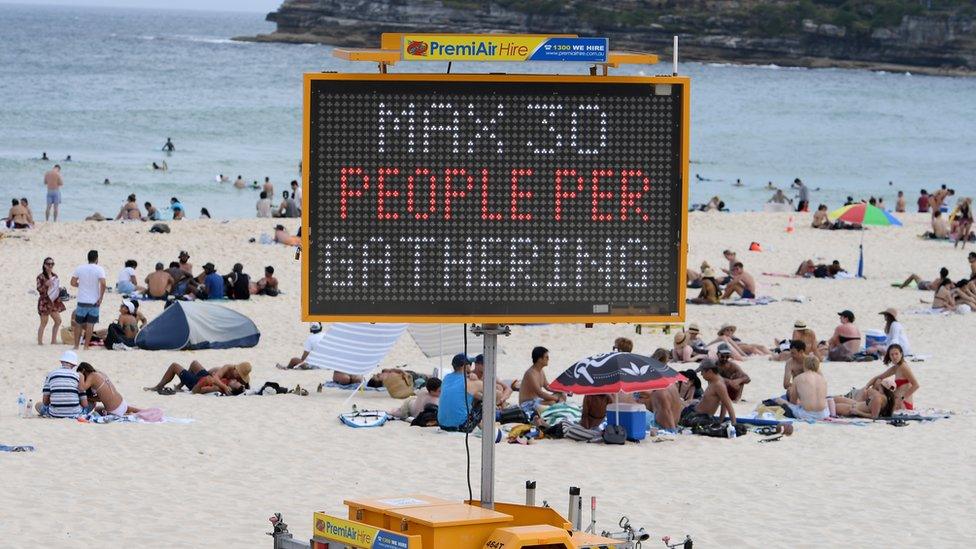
460, 360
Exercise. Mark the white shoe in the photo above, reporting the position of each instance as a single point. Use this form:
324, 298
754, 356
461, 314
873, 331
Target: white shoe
121, 347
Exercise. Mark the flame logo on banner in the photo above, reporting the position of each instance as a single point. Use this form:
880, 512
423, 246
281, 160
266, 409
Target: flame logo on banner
417, 47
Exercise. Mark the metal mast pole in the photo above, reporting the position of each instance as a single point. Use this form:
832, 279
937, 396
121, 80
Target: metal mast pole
490, 333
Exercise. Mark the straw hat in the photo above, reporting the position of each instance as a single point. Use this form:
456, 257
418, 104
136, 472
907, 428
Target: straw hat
890, 311
726, 326
681, 339
244, 369
708, 272
800, 325
693, 328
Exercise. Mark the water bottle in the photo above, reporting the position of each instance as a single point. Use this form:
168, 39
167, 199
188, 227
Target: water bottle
730, 430
21, 405
29, 412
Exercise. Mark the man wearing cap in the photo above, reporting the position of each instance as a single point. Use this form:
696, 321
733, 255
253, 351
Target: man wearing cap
714, 401
503, 390
846, 339
458, 395
894, 334
62, 395
185, 261
735, 378
212, 282
121, 334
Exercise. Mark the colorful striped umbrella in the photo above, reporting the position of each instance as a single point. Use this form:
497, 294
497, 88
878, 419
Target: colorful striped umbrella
864, 214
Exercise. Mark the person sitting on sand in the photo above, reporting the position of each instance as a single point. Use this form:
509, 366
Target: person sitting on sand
152, 214
122, 333
594, 410
177, 208
17, 216
894, 334
130, 210
503, 388
159, 283
183, 281
535, 386
697, 344
742, 283
925, 285
710, 291
666, 405
429, 395
458, 395
211, 284
803, 333
104, 391
30, 214
682, 350
735, 378
726, 334
905, 382
962, 223
820, 219
230, 379
940, 228
62, 395
715, 399
287, 207
878, 401
807, 395
267, 285
846, 339
128, 282
282, 237
311, 342
238, 283
794, 365
964, 293
944, 298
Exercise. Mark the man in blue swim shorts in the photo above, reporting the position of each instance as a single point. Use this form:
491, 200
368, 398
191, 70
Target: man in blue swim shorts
742, 283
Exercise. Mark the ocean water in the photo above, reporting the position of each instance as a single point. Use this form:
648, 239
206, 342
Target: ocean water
107, 86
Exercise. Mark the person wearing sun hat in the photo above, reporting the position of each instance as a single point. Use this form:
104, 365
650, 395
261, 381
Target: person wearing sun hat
62, 396
740, 349
894, 333
682, 351
710, 291
803, 333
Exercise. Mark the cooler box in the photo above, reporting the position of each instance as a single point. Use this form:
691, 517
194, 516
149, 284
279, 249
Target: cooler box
633, 417
873, 337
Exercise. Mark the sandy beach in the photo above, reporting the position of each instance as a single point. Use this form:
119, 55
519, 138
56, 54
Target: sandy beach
215, 481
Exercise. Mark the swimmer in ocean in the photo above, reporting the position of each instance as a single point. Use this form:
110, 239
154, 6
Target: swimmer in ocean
161, 167
44, 156
169, 146
67, 158
738, 183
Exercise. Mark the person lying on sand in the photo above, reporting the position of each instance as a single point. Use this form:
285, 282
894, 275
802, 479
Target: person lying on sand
808, 269
742, 283
715, 399
735, 378
429, 395
282, 237
925, 285
103, 390
726, 334
535, 386
878, 402
808, 393
230, 379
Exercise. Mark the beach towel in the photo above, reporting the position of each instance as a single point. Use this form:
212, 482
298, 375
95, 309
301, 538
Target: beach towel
350, 387
744, 302
5, 448
151, 415
562, 411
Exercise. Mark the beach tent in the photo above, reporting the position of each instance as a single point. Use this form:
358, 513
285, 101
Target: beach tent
198, 325
355, 348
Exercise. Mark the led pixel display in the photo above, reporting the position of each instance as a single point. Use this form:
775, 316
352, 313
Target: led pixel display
472, 198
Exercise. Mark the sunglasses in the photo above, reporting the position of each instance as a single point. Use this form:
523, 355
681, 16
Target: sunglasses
51, 264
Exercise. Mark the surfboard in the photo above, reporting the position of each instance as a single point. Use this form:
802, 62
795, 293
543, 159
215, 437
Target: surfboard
364, 418
761, 422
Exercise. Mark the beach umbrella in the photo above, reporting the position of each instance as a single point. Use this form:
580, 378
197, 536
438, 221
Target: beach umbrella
613, 373
864, 214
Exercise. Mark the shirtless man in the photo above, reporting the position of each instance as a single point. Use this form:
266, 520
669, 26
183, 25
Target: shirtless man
267, 285
53, 182
159, 283
666, 405
183, 281
794, 364
17, 217
268, 187
808, 393
502, 390
742, 283
239, 183
185, 264
802, 333
940, 228
129, 210
735, 378
534, 382
282, 237
227, 379
715, 400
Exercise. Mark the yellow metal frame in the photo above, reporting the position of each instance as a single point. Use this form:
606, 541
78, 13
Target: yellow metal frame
682, 81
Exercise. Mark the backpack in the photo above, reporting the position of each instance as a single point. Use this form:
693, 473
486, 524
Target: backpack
614, 434
474, 418
575, 431
426, 418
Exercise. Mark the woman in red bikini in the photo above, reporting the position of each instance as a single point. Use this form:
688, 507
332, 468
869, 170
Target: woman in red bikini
905, 382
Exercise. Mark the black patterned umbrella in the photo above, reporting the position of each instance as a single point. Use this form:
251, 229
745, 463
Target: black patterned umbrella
611, 373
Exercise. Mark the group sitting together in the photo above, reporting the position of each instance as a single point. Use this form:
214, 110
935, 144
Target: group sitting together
735, 282
179, 282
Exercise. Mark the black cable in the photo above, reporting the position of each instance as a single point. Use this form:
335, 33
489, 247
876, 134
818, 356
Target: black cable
448, 67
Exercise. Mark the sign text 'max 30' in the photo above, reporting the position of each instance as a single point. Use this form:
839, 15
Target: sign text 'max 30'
491, 198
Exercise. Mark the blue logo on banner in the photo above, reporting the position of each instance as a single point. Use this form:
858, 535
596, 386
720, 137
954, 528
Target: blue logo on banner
386, 540
590, 50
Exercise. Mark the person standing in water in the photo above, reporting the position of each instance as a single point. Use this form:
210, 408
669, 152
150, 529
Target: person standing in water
53, 182
169, 146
